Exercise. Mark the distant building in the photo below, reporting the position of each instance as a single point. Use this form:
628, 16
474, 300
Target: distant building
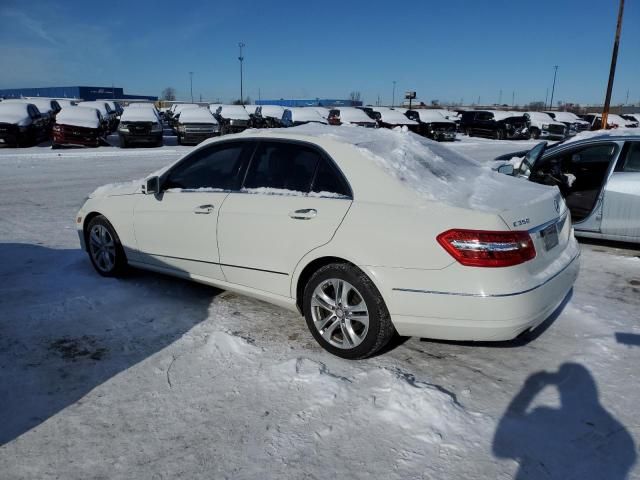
83, 93
311, 102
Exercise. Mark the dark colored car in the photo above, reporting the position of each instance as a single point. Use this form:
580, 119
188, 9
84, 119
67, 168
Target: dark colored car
232, 119
140, 126
78, 127
271, 116
494, 124
193, 125
433, 125
21, 124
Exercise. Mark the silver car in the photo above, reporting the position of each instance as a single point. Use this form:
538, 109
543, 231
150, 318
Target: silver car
599, 178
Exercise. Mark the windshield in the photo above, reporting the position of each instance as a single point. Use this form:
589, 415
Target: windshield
531, 158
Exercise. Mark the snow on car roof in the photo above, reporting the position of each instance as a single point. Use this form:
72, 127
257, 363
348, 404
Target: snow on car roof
274, 111
431, 170
197, 115
100, 105
13, 112
501, 114
395, 117
234, 111
306, 114
79, 117
432, 116
43, 104
609, 134
352, 114
139, 115
540, 117
566, 116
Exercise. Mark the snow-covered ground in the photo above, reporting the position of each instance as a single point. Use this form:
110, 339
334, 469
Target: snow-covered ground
153, 377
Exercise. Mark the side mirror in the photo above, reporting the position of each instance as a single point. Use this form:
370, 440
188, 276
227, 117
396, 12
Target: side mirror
506, 169
152, 186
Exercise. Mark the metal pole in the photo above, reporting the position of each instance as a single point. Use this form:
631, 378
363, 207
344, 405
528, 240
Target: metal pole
612, 71
241, 58
555, 72
393, 96
191, 82
546, 97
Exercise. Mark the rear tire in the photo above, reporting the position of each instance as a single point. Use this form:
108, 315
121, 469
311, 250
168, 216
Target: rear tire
104, 248
500, 134
345, 312
535, 133
469, 132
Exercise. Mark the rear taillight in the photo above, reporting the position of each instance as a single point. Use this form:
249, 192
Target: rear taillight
479, 248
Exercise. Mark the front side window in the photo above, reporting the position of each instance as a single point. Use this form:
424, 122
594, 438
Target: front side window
215, 167
284, 166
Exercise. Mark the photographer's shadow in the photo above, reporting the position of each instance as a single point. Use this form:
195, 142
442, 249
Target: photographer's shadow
578, 440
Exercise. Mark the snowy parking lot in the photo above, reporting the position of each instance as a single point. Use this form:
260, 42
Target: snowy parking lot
155, 377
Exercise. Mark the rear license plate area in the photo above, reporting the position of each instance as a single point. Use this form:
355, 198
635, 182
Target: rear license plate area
550, 236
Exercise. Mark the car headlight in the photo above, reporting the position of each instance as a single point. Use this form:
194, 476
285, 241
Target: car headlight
123, 127
181, 128
545, 126
156, 128
216, 128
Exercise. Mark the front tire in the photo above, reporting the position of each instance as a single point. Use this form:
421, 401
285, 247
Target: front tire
104, 248
535, 133
345, 312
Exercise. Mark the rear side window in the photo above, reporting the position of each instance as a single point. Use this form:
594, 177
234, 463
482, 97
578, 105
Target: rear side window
329, 180
632, 158
218, 166
285, 166
484, 116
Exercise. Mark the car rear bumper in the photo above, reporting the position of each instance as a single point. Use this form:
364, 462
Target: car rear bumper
450, 315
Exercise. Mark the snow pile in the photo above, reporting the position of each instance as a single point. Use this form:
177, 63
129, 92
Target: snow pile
306, 114
433, 171
139, 115
197, 115
540, 117
14, 112
567, 117
79, 117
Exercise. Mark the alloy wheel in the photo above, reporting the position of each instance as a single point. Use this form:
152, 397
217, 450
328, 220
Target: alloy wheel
102, 247
340, 313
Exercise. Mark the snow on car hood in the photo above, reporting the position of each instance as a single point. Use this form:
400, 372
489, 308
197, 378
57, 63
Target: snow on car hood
14, 113
435, 172
116, 189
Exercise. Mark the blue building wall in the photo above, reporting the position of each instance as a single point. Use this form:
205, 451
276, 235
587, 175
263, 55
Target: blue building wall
310, 102
84, 93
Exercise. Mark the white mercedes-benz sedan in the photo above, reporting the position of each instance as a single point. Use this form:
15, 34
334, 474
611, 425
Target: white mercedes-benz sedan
365, 232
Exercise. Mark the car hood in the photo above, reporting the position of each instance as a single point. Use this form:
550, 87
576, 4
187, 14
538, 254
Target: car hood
117, 189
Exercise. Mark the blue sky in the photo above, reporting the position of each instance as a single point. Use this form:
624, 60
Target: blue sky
449, 50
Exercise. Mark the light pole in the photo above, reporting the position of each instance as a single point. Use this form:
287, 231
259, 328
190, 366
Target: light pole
191, 83
393, 95
241, 58
553, 88
612, 70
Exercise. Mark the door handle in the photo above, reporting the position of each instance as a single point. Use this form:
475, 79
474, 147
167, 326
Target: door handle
203, 209
303, 214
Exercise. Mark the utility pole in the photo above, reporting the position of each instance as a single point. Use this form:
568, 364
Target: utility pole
191, 83
626, 102
513, 99
259, 96
500, 97
241, 58
555, 73
546, 97
393, 95
378, 102
612, 71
